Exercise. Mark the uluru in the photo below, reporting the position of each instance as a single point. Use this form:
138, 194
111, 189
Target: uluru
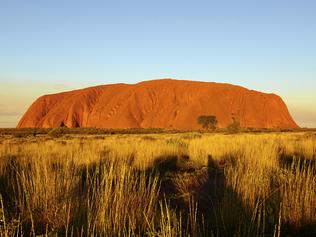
163, 103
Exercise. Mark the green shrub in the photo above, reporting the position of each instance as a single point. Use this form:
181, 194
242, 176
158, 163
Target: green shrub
57, 132
234, 127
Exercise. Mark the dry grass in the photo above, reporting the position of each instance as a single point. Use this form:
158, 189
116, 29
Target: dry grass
158, 185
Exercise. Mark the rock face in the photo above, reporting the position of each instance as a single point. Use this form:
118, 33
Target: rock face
162, 103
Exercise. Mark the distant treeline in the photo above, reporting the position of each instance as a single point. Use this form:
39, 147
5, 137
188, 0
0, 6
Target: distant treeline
22, 132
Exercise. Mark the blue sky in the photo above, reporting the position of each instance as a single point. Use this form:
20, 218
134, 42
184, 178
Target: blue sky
50, 46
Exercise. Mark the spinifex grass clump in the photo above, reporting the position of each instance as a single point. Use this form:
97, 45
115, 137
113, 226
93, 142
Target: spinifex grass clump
101, 197
158, 185
298, 194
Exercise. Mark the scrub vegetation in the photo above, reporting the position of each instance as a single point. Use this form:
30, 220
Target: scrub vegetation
159, 184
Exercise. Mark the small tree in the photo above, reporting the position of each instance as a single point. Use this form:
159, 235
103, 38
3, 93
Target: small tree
207, 121
234, 127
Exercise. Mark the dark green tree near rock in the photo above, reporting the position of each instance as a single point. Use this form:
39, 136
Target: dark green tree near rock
207, 121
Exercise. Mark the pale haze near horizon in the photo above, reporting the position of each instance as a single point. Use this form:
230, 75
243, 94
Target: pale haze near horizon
57, 46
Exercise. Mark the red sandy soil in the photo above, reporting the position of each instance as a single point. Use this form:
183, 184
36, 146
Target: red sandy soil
165, 103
